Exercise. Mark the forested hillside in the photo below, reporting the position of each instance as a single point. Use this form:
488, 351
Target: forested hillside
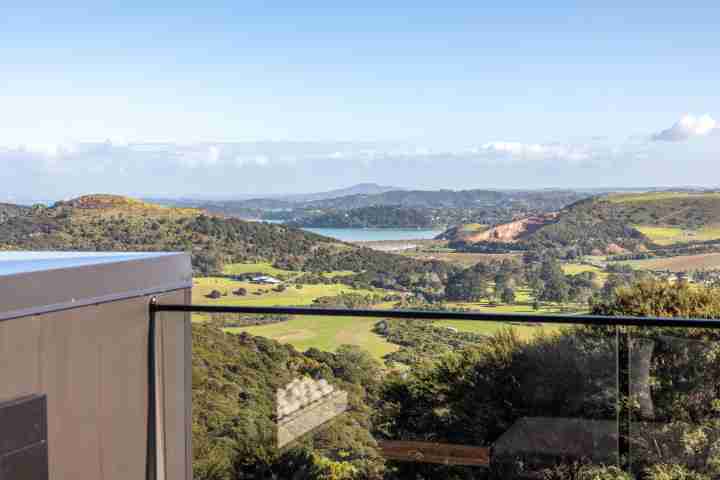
8, 210
593, 226
483, 204
235, 378
681, 209
101, 222
371, 217
615, 223
106, 222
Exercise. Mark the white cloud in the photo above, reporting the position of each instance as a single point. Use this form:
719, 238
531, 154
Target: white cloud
687, 127
536, 151
244, 160
213, 155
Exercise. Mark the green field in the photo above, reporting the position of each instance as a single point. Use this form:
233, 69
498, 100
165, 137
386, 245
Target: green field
680, 263
523, 306
473, 227
490, 328
325, 333
654, 196
303, 332
671, 235
263, 268
328, 333
575, 268
662, 235
292, 296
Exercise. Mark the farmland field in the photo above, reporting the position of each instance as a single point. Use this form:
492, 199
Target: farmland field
682, 263
655, 196
328, 333
523, 306
670, 235
460, 258
292, 296
303, 332
324, 333
263, 268
488, 328
575, 268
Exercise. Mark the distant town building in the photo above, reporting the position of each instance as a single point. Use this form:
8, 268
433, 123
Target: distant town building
266, 280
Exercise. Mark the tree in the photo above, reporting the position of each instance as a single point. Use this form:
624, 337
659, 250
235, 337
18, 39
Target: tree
555, 285
507, 296
468, 286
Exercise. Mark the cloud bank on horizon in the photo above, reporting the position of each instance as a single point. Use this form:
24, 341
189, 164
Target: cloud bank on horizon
227, 168
687, 127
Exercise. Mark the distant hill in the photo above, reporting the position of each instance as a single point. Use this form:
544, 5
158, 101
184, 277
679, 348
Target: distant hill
586, 227
486, 206
109, 222
246, 203
613, 223
115, 223
415, 198
9, 210
682, 209
359, 189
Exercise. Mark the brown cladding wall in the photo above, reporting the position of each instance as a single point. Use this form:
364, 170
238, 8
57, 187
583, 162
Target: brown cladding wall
91, 362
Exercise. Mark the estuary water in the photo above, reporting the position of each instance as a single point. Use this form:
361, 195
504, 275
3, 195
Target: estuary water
375, 234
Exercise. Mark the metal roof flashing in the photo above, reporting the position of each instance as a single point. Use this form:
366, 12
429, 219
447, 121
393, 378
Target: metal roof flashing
32, 283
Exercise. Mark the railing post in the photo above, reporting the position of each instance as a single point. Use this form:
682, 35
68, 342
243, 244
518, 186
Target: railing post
623, 400
151, 453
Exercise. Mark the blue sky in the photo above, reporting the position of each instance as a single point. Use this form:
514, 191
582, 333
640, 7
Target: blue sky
254, 97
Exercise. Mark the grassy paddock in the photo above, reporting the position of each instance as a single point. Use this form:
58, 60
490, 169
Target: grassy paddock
264, 268
682, 263
655, 196
328, 333
523, 306
462, 259
325, 333
489, 328
303, 332
291, 296
575, 268
672, 235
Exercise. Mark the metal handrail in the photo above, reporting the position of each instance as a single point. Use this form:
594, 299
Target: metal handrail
599, 320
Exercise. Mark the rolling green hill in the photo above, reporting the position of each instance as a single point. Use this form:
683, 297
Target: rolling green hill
8, 210
616, 223
114, 223
106, 222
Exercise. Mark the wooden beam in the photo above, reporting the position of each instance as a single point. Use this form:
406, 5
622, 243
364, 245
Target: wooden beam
438, 453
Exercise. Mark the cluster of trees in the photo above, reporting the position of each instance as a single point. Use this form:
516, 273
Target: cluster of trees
381, 269
495, 281
422, 341
548, 283
235, 378
354, 300
230, 320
